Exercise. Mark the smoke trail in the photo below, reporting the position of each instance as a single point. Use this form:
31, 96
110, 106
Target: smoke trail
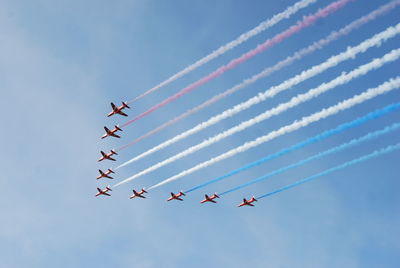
312, 93
307, 21
266, 72
350, 53
326, 134
375, 154
354, 142
242, 38
357, 99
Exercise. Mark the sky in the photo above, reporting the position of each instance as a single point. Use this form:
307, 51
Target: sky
63, 62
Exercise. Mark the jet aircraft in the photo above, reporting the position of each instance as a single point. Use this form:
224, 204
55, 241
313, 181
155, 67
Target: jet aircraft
176, 196
210, 198
105, 174
107, 156
138, 194
247, 202
103, 192
111, 132
118, 110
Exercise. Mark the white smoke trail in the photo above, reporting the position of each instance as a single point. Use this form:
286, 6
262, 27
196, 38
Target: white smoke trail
270, 70
305, 121
242, 38
350, 53
340, 80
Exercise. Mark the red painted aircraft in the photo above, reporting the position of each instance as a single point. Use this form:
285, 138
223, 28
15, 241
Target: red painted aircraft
176, 196
105, 174
210, 198
247, 202
118, 110
111, 132
138, 194
103, 192
107, 156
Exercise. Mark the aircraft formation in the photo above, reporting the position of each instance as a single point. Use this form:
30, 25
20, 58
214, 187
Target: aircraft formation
375, 40
140, 194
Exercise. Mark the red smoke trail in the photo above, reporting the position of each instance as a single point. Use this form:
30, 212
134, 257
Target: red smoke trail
307, 21
289, 60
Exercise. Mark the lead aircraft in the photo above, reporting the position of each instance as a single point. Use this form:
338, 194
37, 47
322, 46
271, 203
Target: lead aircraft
103, 192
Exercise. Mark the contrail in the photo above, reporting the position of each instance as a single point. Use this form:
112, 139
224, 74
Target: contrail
375, 154
387, 86
344, 146
266, 72
242, 38
350, 53
324, 87
320, 137
307, 21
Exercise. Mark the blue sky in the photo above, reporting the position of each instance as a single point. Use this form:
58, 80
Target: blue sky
62, 62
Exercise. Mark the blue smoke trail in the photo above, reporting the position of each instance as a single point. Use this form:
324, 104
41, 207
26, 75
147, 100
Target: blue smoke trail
373, 115
336, 149
342, 166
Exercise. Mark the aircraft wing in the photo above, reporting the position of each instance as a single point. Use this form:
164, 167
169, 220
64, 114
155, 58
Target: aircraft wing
110, 158
113, 106
141, 196
212, 201
107, 194
98, 189
114, 135
178, 198
108, 177
249, 204
122, 113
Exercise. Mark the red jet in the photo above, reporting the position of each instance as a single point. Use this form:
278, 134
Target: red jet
105, 174
107, 156
111, 132
103, 192
138, 194
176, 196
118, 110
210, 198
247, 202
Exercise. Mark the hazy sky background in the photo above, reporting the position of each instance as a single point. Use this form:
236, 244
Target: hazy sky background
63, 62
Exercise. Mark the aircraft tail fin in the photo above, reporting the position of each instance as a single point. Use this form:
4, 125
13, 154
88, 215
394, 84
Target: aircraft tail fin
125, 105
